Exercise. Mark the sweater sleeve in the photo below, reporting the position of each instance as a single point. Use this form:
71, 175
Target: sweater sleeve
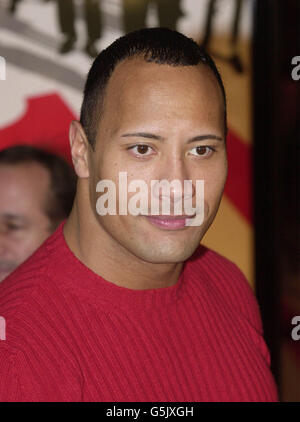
17, 381
244, 302
236, 292
9, 381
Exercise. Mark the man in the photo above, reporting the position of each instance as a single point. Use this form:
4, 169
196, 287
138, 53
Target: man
36, 193
66, 19
233, 58
127, 306
135, 12
92, 14
13, 6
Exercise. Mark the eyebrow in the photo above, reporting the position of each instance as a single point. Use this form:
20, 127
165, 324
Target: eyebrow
14, 217
148, 135
143, 135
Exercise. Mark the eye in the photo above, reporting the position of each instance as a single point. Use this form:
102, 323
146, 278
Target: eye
141, 149
13, 227
202, 151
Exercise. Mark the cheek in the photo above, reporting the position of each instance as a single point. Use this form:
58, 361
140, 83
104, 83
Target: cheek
101, 173
214, 183
26, 242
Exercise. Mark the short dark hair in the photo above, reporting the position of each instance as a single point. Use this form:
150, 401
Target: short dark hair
158, 45
62, 178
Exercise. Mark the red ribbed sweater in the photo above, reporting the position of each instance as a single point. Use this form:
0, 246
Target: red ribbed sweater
73, 336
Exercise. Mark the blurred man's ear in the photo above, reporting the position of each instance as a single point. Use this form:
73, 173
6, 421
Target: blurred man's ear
79, 149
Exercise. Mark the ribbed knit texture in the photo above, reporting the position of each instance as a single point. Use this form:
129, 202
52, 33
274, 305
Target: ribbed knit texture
73, 336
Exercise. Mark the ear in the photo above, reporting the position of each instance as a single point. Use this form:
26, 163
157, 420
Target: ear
79, 149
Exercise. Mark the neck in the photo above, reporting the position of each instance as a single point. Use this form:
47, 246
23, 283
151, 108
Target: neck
96, 249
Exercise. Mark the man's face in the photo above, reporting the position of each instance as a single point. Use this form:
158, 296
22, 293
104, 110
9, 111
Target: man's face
160, 122
23, 222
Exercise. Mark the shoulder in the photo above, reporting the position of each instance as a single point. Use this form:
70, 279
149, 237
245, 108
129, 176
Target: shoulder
220, 268
35, 321
30, 370
34, 273
22, 283
27, 294
226, 281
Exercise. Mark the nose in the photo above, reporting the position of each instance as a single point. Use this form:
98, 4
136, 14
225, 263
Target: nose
173, 183
174, 190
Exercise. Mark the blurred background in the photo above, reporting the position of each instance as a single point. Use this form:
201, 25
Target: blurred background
48, 48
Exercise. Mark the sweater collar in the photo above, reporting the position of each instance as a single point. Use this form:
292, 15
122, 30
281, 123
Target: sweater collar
75, 275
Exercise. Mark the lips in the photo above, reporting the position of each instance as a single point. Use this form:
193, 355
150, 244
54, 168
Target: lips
168, 222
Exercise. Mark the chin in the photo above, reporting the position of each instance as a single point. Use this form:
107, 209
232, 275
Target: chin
166, 258
166, 252
3, 276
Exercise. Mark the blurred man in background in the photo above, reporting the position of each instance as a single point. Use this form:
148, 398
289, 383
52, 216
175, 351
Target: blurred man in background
36, 193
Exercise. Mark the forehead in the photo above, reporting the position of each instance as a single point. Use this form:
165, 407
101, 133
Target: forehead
134, 71
22, 187
138, 88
